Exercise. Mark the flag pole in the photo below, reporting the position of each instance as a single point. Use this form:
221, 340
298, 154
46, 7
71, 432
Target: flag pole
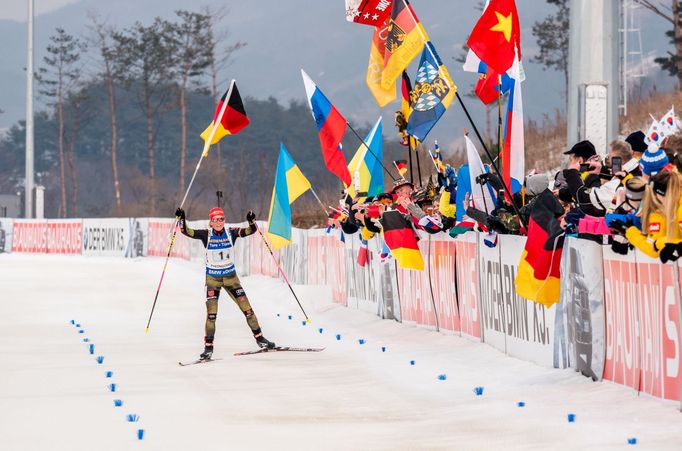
174, 227
499, 115
318, 199
419, 168
433, 159
409, 147
370, 150
281, 271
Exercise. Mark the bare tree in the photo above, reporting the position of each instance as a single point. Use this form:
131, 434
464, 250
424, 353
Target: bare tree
673, 62
75, 102
189, 38
59, 75
219, 58
102, 41
552, 35
143, 56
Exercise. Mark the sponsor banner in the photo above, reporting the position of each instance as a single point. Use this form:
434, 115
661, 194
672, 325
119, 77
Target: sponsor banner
159, 236
325, 263
388, 281
659, 324
493, 309
64, 236
105, 237
621, 364
29, 235
261, 261
466, 260
441, 268
138, 229
579, 317
362, 284
6, 232
416, 303
529, 326
293, 257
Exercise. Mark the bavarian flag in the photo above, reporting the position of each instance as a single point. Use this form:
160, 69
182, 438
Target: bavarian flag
538, 276
405, 38
401, 240
432, 94
233, 119
290, 183
365, 167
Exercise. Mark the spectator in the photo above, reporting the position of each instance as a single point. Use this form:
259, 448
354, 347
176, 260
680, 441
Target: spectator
636, 141
653, 162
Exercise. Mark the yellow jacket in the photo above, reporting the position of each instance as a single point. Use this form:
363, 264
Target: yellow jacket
444, 206
652, 242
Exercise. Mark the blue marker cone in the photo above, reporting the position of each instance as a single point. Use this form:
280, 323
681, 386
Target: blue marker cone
132, 417
91, 348
100, 359
383, 349
78, 325
320, 330
338, 336
118, 403
412, 362
632, 441
290, 316
108, 374
112, 387
81, 331
361, 341
278, 315
571, 418
73, 322
85, 340
442, 377
303, 323
478, 391
521, 404
140, 434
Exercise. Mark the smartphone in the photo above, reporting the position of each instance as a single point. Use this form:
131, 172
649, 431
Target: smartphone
616, 165
362, 194
585, 167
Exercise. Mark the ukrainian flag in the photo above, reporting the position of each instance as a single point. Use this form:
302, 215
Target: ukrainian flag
290, 183
365, 167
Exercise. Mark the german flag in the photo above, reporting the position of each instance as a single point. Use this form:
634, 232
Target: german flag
538, 276
233, 120
404, 42
401, 166
375, 67
401, 240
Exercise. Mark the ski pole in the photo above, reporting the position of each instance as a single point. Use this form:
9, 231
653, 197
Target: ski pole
281, 272
158, 288
207, 145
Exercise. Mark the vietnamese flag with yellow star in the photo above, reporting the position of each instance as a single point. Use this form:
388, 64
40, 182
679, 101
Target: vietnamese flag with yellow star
496, 37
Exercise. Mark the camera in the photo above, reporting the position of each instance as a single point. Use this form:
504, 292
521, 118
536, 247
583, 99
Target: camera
616, 165
585, 167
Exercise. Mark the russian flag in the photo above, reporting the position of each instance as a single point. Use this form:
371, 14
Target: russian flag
513, 148
331, 127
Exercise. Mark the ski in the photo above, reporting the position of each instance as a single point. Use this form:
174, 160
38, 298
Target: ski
279, 349
196, 362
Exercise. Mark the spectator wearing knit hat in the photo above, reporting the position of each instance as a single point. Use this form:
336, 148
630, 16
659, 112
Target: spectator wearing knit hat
653, 162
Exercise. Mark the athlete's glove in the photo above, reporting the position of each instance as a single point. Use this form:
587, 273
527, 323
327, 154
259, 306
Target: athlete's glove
250, 217
180, 213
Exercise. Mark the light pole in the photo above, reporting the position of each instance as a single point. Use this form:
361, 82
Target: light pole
28, 191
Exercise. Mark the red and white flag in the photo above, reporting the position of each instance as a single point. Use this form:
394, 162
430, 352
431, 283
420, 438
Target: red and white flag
368, 12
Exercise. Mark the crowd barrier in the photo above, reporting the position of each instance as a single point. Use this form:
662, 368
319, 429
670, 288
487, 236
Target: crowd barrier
619, 317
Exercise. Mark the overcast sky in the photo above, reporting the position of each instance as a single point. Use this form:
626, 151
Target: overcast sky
18, 9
